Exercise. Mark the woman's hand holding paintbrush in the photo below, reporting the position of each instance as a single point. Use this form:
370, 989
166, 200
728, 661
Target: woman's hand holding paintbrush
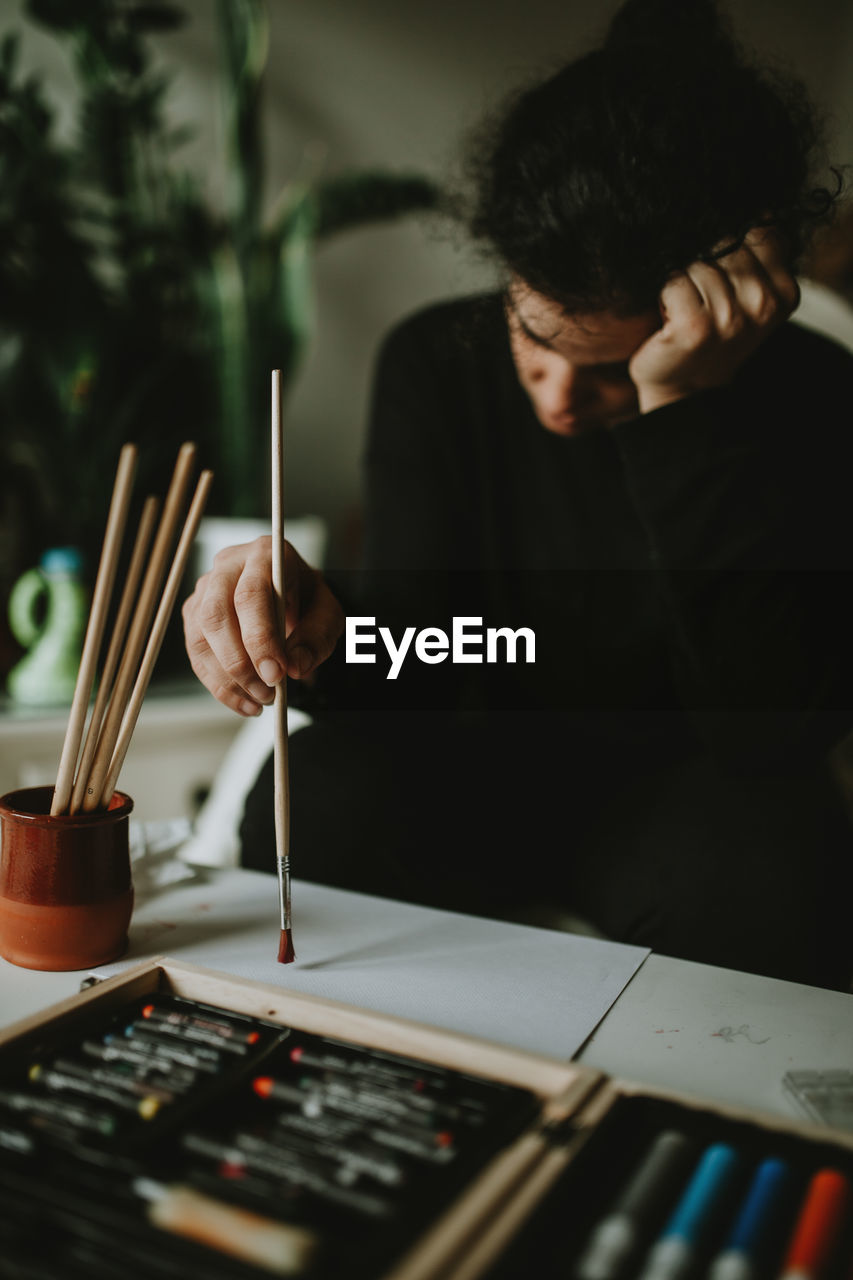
260, 615
231, 626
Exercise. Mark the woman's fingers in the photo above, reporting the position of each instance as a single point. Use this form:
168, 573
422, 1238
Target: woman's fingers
315, 627
766, 246
697, 305
257, 615
718, 298
764, 289
214, 639
232, 630
715, 315
753, 299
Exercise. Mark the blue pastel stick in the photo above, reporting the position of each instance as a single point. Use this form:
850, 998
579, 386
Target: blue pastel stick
674, 1253
761, 1210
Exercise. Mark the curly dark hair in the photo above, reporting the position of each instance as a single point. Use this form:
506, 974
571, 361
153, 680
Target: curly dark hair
664, 146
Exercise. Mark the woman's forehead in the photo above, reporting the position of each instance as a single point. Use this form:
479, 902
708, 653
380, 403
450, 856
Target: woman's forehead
595, 336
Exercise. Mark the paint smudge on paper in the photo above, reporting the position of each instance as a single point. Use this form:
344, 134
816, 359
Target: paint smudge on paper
730, 1033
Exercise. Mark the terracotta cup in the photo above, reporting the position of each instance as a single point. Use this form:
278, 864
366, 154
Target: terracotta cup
66, 894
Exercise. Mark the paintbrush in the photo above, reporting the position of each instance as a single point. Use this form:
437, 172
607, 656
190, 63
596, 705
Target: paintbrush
91, 784
281, 773
110, 552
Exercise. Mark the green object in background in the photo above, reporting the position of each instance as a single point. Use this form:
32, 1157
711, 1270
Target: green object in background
48, 608
133, 299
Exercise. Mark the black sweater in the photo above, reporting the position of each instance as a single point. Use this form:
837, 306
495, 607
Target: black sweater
687, 573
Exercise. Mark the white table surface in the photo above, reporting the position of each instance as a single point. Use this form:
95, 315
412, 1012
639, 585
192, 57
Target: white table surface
720, 1033
712, 1032
529, 988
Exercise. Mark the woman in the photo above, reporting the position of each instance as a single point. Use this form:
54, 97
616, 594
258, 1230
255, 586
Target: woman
630, 453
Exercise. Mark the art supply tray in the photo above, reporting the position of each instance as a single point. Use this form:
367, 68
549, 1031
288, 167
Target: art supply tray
329, 1141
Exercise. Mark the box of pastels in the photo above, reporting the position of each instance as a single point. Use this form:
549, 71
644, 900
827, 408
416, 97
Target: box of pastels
173, 1122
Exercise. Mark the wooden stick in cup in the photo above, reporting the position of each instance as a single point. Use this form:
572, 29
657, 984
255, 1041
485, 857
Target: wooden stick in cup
158, 632
139, 627
281, 772
116, 520
134, 573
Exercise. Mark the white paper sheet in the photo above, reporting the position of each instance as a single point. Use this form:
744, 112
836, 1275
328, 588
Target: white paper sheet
535, 989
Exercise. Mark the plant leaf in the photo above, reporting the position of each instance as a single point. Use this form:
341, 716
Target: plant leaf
155, 17
65, 15
352, 199
295, 285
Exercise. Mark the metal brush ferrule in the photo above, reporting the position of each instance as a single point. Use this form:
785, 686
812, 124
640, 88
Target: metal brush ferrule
283, 865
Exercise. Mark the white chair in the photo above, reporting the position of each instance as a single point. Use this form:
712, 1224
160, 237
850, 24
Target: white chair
308, 534
215, 841
825, 311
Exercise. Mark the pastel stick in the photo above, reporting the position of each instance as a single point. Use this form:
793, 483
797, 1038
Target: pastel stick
765, 1201
674, 1254
655, 1182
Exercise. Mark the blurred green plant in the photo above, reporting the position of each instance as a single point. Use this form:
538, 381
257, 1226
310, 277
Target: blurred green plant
131, 308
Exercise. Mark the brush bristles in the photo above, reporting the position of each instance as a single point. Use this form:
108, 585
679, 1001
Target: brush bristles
286, 954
